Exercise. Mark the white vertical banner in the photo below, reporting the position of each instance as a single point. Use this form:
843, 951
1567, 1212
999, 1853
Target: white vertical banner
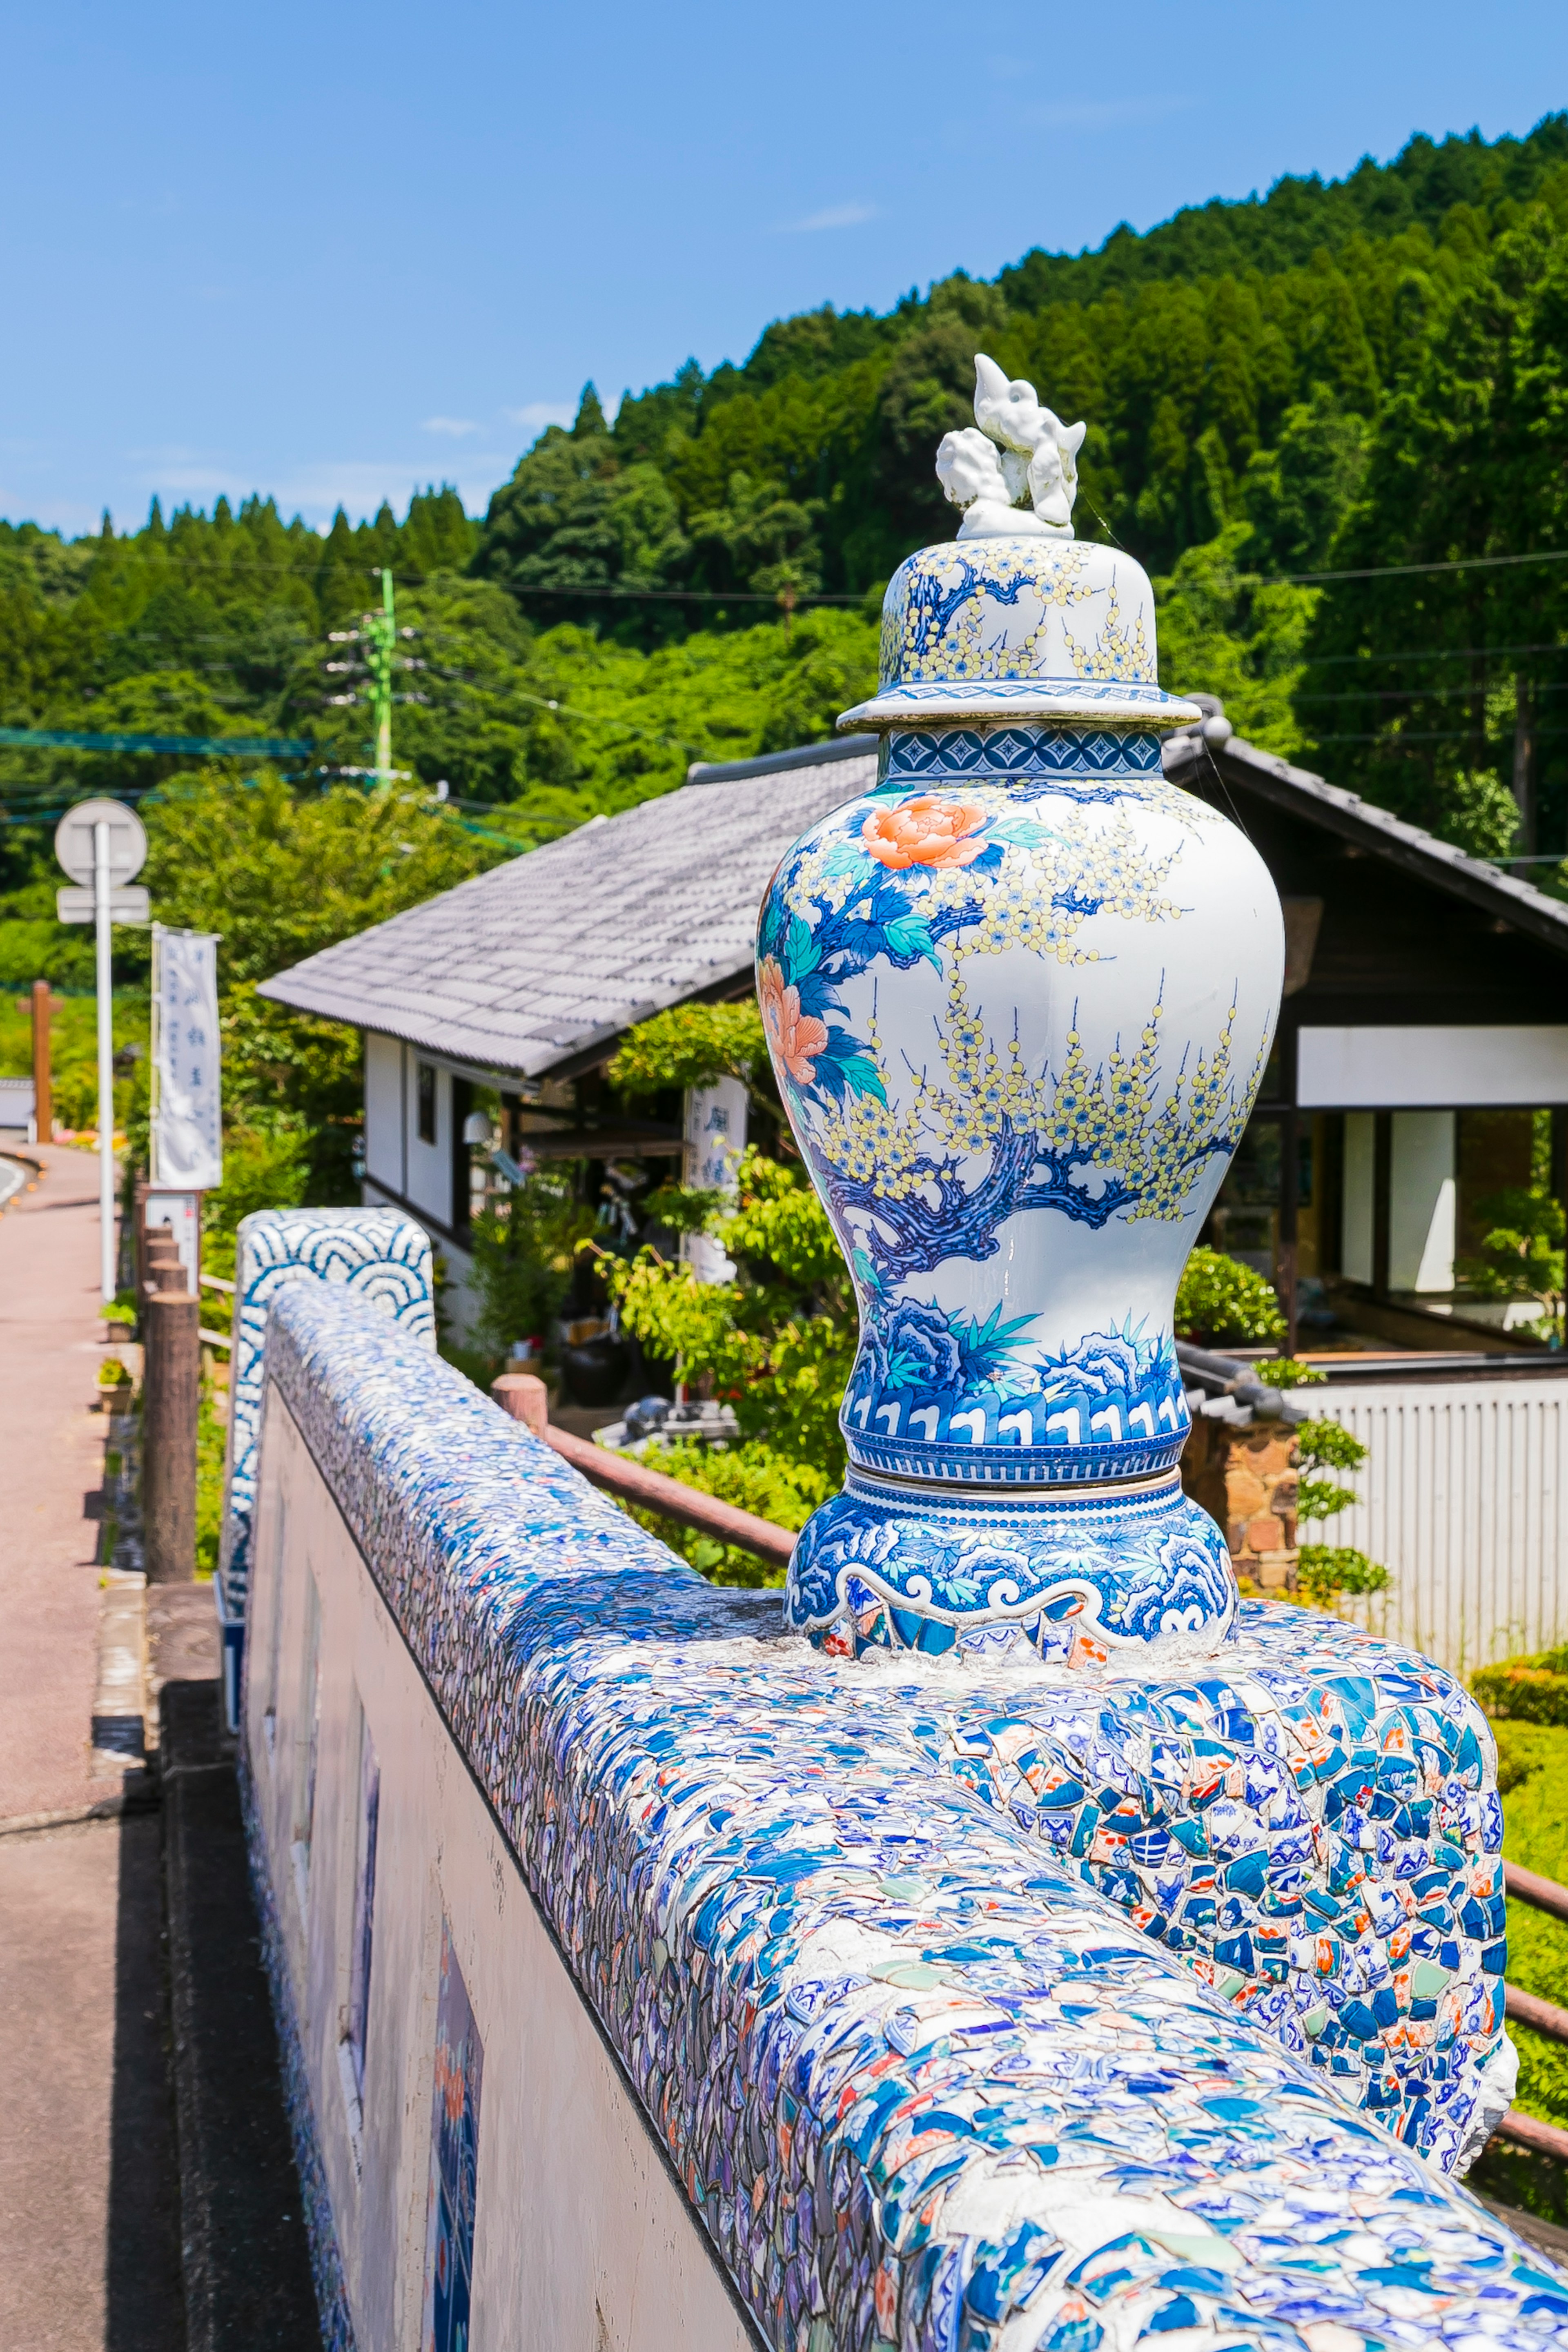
715, 1138
187, 1108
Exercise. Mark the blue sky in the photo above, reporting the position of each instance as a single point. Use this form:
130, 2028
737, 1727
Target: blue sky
331, 252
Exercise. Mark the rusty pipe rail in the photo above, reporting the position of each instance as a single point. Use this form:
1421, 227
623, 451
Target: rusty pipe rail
1529, 1887
524, 1396
1543, 2016
1534, 2136
650, 1490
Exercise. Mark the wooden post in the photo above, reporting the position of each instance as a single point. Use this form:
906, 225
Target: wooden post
525, 1397
172, 1321
43, 1091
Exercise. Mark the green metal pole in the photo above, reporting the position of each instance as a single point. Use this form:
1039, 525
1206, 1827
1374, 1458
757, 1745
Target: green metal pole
384, 727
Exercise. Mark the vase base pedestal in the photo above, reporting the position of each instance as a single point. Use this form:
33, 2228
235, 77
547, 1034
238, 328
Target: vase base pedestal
1073, 1577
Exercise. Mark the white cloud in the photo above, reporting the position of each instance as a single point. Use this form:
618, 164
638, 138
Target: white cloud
455, 427
833, 216
537, 413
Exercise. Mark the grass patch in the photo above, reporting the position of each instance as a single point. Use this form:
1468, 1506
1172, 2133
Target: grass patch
1534, 1775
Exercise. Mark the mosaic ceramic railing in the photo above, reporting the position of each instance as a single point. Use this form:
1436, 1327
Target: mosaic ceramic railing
977, 2007
384, 1257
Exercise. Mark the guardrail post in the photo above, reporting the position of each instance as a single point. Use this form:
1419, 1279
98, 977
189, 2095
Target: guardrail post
525, 1397
171, 1318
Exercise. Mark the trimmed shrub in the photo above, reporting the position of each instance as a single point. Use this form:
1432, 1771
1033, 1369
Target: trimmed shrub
1526, 1690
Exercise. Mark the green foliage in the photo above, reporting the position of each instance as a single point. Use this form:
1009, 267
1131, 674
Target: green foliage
1526, 1689
523, 1255
1324, 1572
212, 1436
689, 1045
1220, 1298
755, 1478
280, 873
1522, 1254
1288, 1372
778, 1342
73, 1053
1532, 1774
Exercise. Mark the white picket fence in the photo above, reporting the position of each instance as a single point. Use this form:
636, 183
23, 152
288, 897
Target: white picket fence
1465, 1499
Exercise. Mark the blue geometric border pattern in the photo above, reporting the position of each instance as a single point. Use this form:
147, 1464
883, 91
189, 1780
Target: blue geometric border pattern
377, 1252
890, 1950
1022, 751
987, 1463
326, 2260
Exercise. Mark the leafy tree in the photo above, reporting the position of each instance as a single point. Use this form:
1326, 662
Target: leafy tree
1521, 1252
1219, 1298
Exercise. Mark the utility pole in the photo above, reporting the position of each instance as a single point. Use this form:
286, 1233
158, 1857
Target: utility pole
380, 648
374, 666
103, 892
43, 1089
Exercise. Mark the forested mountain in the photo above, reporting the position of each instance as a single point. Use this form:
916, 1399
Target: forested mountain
1336, 378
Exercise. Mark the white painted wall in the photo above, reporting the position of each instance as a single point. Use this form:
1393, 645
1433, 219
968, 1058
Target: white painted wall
429, 1185
1423, 1200
1388, 1068
583, 2238
384, 1115
1465, 1500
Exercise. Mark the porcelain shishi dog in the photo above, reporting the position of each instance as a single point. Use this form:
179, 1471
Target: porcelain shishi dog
1019, 997
1020, 446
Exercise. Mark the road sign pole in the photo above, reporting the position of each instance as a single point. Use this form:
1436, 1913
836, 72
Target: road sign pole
103, 883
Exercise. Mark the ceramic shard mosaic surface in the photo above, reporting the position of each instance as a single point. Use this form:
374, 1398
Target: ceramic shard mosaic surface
376, 1251
977, 2007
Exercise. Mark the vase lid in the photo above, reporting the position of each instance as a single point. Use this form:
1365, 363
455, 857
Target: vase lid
1017, 618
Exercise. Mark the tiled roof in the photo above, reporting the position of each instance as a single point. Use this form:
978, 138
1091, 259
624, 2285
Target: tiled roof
1306, 795
538, 962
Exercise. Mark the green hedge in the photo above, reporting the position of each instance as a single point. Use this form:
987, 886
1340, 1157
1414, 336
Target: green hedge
1526, 1690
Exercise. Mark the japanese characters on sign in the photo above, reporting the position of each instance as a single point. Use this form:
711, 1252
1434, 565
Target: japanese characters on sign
187, 1126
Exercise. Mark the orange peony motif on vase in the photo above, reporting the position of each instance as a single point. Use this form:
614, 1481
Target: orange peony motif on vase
795, 1038
924, 832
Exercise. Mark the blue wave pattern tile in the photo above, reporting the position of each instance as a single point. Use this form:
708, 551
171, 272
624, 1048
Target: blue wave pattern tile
926, 2086
377, 1252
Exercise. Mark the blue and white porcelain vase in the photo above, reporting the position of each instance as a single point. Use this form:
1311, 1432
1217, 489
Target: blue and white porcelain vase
1019, 997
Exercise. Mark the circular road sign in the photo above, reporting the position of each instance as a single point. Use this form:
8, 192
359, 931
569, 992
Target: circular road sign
74, 843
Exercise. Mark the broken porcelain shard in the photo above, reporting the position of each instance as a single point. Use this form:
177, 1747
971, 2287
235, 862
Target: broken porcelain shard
1019, 997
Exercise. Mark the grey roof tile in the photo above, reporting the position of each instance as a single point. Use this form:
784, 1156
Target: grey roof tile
524, 967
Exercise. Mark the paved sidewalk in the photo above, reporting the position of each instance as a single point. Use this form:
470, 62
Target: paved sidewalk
89, 2247
51, 1472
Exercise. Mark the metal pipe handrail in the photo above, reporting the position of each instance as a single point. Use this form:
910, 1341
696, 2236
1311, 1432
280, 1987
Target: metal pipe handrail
1529, 1887
1542, 2016
1531, 2134
631, 1482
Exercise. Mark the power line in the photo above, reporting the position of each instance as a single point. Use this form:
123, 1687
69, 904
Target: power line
234, 747
1398, 571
